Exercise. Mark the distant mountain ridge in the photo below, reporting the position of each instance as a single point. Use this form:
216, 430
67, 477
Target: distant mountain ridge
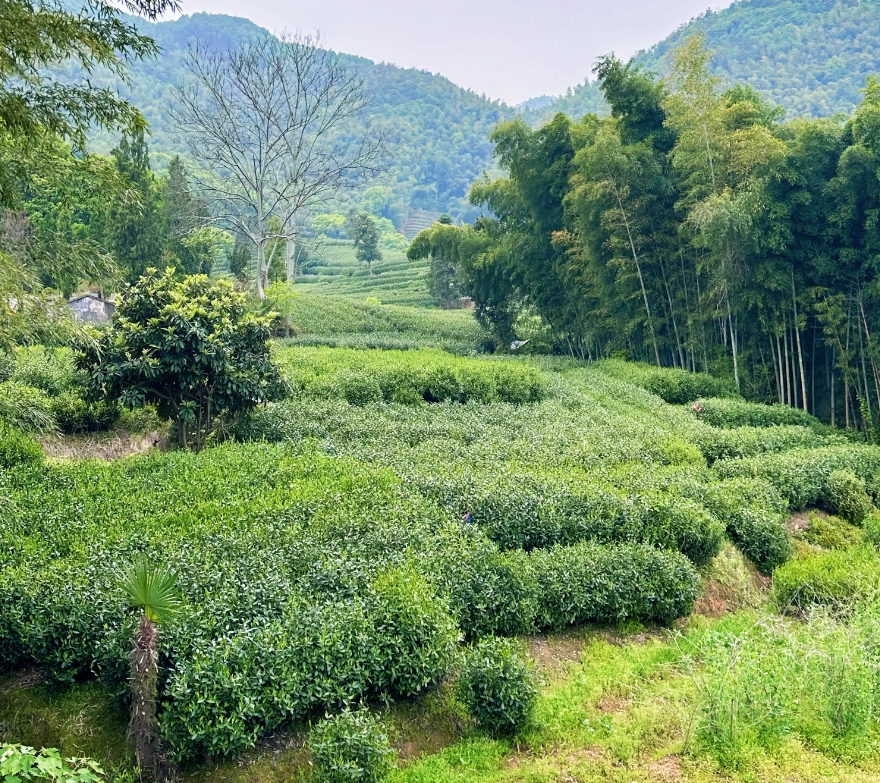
438, 133
810, 56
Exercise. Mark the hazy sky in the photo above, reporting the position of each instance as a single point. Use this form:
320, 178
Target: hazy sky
508, 49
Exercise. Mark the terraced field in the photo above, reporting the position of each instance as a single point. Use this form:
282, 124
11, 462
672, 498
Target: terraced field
394, 279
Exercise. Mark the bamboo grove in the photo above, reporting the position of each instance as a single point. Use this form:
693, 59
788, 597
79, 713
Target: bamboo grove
692, 228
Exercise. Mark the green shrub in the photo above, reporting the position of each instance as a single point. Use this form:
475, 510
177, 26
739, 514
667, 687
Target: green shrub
680, 452
831, 533
521, 511
727, 412
846, 493
588, 583
754, 515
351, 747
7, 366
49, 369
76, 416
496, 685
836, 579
671, 385
801, 475
718, 443
408, 377
17, 448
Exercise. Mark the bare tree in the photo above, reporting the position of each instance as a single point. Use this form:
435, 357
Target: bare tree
276, 124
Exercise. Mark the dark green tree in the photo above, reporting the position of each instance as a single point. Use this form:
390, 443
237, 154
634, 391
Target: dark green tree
135, 231
365, 234
189, 347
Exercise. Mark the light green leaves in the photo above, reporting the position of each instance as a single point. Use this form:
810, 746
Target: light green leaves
152, 588
20, 762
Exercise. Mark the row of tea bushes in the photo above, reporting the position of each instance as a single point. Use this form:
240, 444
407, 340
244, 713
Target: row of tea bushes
522, 511
720, 443
670, 385
409, 377
802, 475
732, 413
320, 319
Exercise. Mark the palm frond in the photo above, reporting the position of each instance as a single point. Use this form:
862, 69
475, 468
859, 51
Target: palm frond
152, 588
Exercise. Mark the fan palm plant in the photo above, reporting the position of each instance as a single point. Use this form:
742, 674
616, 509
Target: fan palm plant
153, 590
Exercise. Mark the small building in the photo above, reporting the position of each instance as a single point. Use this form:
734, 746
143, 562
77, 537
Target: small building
92, 308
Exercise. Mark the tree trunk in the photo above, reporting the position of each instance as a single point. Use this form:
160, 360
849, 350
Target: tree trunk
143, 727
632, 245
261, 270
797, 333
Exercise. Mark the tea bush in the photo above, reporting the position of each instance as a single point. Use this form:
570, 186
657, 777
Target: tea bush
846, 494
671, 385
351, 747
836, 579
521, 511
75, 415
497, 686
754, 515
409, 377
730, 412
17, 448
717, 443
802, 475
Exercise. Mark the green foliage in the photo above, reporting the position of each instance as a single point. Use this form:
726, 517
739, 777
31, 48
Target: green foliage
20, 762
76, 416
152, 590
755, 515
772, 680
718, 443
49, 369
813, 39
497, 686
345, 322
830, 532
670, 385
17, 448
836, 579
527, 511
351, 746
25, 408
739, 413
846, 494
188, 347
802, 475
409, 377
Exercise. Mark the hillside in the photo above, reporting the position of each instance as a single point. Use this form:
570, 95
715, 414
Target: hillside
810, 56
437, 132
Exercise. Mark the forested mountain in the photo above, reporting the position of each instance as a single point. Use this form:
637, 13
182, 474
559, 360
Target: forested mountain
809, 56
438, 133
